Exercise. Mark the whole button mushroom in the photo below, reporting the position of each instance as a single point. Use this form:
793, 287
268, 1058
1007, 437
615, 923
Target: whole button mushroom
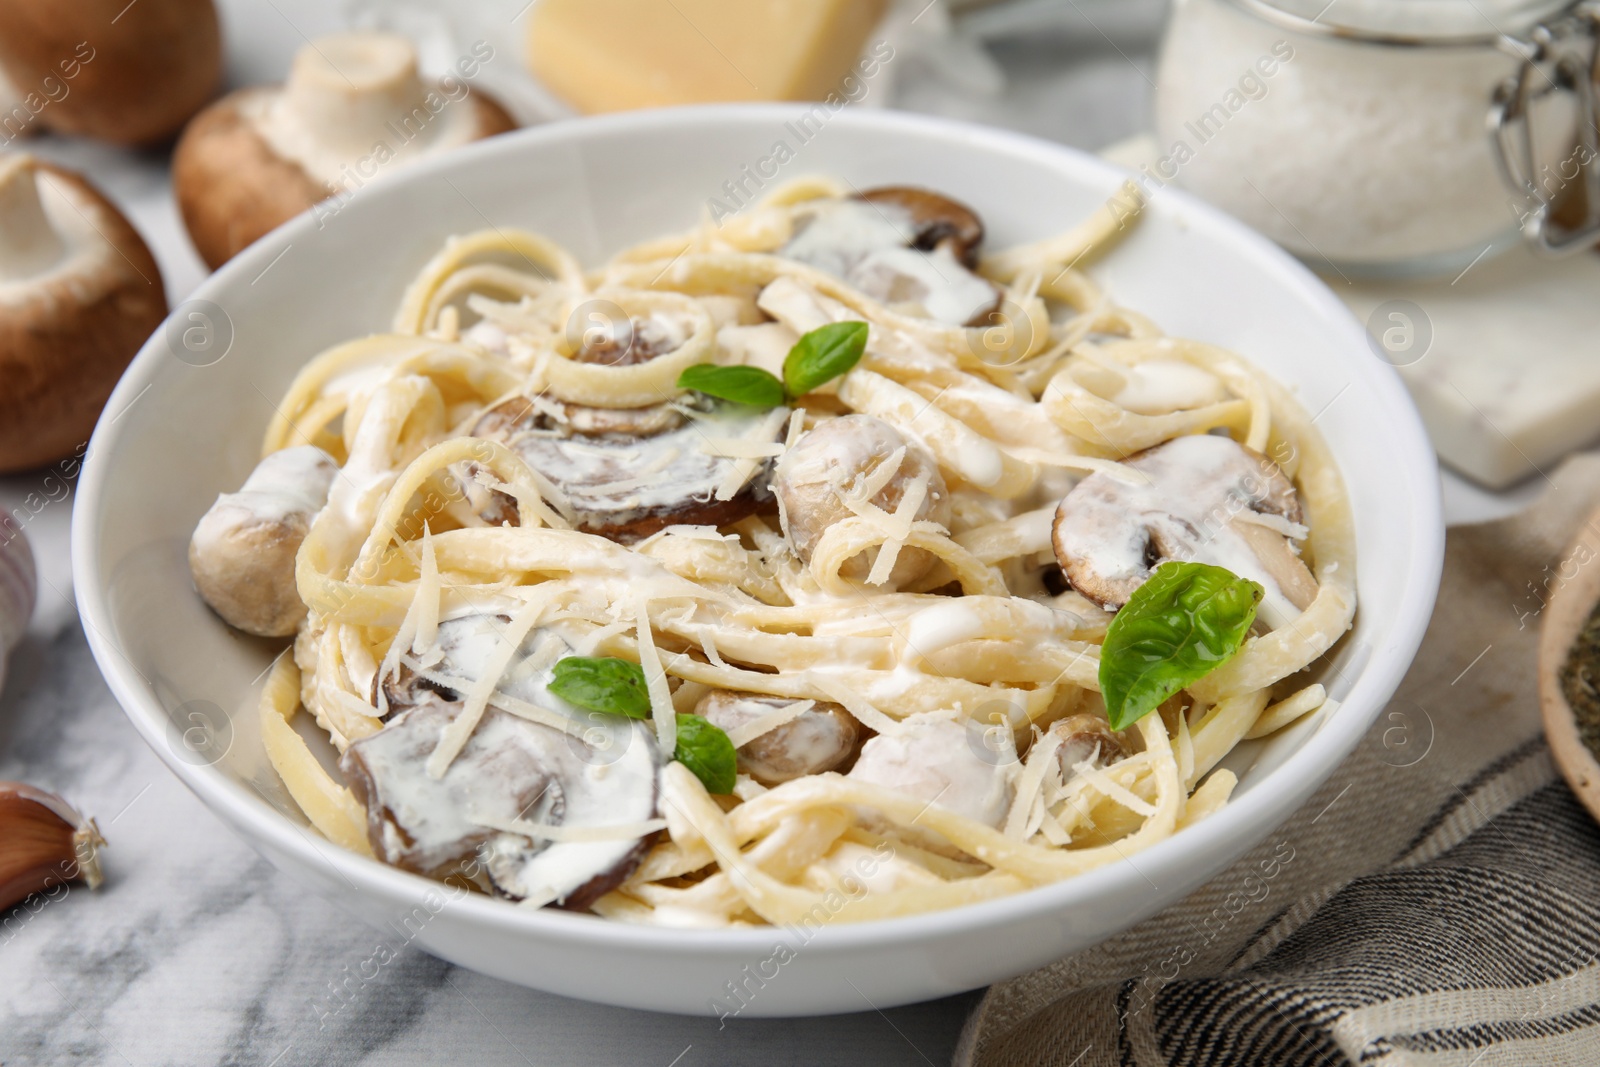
1207, 499
935, 761
131, 74
812, 479
243, 551
79, 293
820, 739
354, 108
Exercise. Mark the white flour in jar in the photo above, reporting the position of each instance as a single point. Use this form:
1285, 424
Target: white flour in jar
1354, 152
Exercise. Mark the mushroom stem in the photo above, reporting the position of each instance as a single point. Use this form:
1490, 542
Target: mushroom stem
347, 88
29, 243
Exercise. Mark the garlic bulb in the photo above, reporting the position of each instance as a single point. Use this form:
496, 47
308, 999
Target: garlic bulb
18, 583
43, 844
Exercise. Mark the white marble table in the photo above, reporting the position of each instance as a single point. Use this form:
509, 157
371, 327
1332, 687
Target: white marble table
196, 951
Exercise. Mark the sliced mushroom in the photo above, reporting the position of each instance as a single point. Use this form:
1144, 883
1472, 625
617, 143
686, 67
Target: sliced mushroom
905, 247
243, 550
128, 73
831, 462
820, 739
940, 222
1085, 737
1207, 499
79, 293
629, 472
353, 110
510, 770
943, 763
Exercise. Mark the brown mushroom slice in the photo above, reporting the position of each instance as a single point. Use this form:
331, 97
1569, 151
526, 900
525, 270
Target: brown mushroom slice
629, 472
903, 247
939, 220
942, 762
837, 457
819, 739
1085, 737
354, 108
1205, 498
510, 770
79, 293
243, 550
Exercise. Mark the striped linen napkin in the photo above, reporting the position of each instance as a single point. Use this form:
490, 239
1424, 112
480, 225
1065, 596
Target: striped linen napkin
1436, 903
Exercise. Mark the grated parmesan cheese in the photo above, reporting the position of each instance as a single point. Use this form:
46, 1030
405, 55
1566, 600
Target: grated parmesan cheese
655, 679
766, 723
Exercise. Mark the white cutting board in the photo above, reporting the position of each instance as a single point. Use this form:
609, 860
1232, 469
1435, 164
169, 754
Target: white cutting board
1503, 360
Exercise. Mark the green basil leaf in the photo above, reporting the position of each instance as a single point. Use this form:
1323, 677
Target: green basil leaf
822, 355
1184, 622
706, 750
602, 684
742, 385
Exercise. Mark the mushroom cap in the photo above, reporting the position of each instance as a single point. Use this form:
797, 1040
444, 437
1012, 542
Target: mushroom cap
242, 554
939, 220
900, 246
835, 455
67, 331
148, 68
236, 178
819, 740
627, 472
1202, 489
509, 769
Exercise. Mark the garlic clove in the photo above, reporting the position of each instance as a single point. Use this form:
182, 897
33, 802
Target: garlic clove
43, 843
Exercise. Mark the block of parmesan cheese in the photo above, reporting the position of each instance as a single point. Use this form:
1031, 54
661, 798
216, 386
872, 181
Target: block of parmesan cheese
613, 55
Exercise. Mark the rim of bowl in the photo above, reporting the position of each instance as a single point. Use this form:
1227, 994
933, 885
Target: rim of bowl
1265, 801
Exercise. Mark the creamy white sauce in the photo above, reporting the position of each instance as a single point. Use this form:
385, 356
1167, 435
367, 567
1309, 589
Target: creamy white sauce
614, 480
868, 245
512, 769
1158, 386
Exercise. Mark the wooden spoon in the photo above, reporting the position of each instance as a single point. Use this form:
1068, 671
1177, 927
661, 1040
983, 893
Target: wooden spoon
1574, 594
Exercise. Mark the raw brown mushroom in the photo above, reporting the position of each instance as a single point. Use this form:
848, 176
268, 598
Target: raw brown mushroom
79, 293
354, 108
130, 73
601, 774
812, 478
1208, 499
820, 739
902, 246
243, 551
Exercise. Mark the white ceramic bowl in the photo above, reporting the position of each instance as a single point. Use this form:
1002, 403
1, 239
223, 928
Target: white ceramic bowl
176, 433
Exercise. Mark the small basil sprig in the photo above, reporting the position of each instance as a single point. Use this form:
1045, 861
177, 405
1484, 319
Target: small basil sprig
617, 687
604, 684
817, 358
1184, 622
706, 750
742, 385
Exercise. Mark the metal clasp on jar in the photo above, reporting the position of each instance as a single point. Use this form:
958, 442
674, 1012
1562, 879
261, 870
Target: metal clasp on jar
1560, 56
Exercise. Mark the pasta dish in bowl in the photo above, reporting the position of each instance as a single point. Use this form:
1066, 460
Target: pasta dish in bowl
929, 569
673, 589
